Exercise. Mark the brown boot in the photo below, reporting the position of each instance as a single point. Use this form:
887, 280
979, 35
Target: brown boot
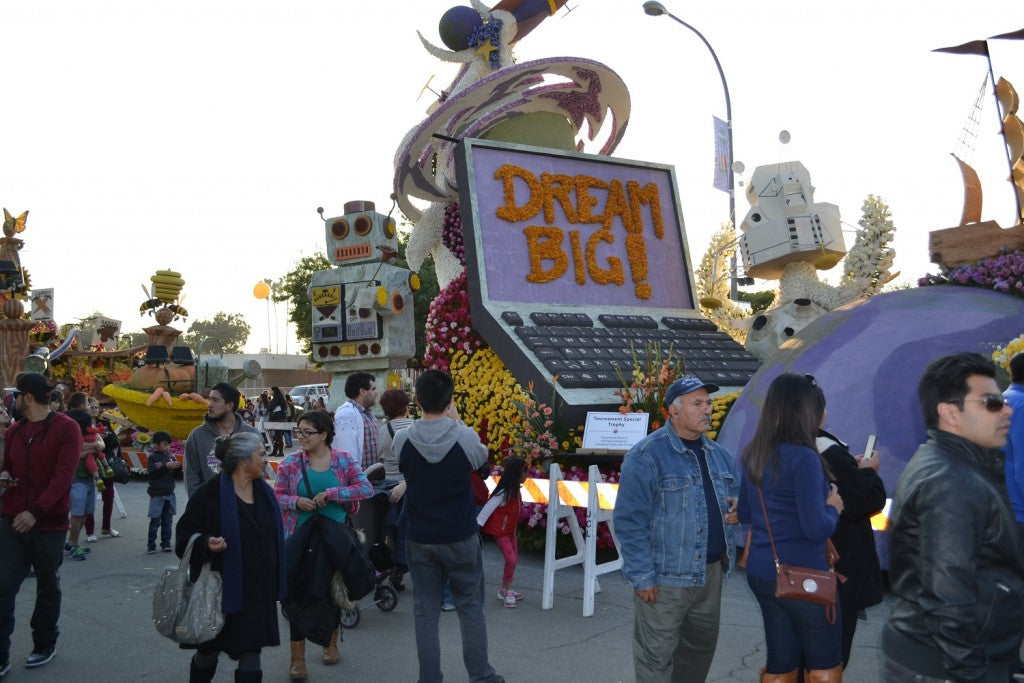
833, 675
298, 671
331, 654
789, 677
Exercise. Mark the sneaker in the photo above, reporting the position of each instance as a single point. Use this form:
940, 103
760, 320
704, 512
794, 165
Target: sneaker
166, 548
113, 533
151, 551
77, 554
5, 669
41, 657
509, 600
91, 539
68, 548
447, 607
501, 594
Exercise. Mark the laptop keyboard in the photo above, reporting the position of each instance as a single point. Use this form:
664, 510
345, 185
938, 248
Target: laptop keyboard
586, 356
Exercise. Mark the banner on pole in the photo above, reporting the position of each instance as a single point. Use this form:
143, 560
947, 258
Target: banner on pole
722, 160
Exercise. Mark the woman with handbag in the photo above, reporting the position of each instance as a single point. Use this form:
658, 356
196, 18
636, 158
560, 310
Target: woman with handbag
792, 508
236, 515
317, 480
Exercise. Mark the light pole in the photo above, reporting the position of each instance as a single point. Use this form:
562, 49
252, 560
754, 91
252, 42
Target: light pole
656, 9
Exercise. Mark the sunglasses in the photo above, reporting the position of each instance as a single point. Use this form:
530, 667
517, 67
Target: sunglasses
993, 402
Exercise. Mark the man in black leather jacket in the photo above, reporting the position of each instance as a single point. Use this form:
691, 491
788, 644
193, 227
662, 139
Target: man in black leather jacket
955, 561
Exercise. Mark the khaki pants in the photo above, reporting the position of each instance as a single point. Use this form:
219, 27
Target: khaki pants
674, 639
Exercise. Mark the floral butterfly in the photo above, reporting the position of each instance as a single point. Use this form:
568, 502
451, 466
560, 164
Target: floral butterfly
12, 225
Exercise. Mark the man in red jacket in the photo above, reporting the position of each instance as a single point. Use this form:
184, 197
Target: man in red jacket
42, 451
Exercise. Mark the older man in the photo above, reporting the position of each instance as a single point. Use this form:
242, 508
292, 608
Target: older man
955, 563
675, 537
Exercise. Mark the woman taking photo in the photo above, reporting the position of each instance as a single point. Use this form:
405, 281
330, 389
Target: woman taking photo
781, 463
240, 529
317, 480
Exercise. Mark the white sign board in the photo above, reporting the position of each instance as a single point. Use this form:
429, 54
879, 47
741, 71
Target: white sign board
42, 304
614, 431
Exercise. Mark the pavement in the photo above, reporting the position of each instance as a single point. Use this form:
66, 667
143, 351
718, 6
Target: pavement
106, 629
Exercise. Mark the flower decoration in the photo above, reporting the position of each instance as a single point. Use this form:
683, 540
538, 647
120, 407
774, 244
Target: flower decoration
720, 407
487, 396
488, 37
713, 281
1002, 355
1003, 273
449, 326
644, 391
451, 233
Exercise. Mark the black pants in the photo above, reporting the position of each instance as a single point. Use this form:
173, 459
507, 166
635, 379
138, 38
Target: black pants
43, 550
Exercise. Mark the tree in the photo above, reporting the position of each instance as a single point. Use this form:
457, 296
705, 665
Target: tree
230, 329
294, 287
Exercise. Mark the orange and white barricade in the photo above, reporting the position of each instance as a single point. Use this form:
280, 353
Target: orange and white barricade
561, 497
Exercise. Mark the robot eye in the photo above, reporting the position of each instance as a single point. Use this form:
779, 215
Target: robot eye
389, 228
339, 229
362, 225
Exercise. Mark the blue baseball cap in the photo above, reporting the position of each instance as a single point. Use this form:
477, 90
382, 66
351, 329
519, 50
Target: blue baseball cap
685, 385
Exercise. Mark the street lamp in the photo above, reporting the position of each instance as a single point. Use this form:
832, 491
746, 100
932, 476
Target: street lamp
656, 9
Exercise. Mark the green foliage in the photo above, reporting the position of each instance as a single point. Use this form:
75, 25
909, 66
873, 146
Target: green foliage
293, 286
759, 301
230, 329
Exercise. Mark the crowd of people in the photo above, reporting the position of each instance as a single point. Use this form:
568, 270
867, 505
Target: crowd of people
956, 570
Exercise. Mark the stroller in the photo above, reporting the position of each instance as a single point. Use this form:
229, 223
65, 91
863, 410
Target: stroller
370, 520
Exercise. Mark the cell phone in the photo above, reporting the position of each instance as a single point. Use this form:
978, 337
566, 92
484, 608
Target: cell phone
869, 450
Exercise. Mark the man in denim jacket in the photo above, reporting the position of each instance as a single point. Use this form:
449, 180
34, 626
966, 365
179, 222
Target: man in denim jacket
676, 500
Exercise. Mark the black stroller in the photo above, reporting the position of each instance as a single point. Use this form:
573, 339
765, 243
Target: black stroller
370, 522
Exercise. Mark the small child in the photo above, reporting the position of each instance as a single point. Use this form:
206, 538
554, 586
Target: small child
162, 503
499, 518
95, 463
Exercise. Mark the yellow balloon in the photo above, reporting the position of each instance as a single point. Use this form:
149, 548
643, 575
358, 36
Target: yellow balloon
261, 290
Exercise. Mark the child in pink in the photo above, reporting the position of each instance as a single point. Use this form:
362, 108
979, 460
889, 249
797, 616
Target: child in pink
499, 517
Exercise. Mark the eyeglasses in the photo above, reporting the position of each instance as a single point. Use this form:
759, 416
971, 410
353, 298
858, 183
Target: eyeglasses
304, 433
993, 402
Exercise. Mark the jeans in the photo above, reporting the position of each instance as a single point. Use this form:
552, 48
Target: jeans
796, 632
675, 638
462, 561
108, 509
43, 550
163, 523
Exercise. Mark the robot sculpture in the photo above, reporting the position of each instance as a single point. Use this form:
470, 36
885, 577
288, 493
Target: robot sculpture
362, 309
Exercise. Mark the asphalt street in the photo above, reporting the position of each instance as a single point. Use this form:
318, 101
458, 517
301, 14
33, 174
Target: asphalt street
107, 633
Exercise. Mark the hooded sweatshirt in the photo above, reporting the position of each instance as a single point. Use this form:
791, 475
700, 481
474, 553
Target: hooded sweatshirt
437, 457
199, 457
42, 456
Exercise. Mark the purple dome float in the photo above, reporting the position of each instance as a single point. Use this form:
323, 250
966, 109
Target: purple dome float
456, 25
868, 357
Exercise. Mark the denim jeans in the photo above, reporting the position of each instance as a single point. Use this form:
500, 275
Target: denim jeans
43, 550
796, 632
163, 523
462, 561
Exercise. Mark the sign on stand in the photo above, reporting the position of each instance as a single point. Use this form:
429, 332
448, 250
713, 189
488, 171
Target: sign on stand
613, 431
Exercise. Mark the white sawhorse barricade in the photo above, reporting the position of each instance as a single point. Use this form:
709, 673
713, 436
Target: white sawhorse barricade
561, 497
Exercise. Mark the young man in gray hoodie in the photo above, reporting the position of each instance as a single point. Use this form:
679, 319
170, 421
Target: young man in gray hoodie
437, 454
221, 420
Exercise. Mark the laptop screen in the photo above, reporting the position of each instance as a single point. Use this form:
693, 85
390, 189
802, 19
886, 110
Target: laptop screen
554, 227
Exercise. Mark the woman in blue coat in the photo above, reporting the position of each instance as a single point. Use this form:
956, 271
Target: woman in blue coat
782, 464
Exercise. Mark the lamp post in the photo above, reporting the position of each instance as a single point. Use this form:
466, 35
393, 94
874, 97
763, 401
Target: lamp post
656, 9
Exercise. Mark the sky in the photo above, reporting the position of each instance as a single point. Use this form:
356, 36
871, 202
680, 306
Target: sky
202, 136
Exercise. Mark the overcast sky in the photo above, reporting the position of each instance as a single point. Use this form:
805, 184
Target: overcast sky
201, 136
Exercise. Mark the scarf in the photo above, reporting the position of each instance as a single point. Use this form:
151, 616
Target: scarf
231, 576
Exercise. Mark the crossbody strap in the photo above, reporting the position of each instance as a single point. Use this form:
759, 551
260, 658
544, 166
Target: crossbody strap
768, 526
305, 478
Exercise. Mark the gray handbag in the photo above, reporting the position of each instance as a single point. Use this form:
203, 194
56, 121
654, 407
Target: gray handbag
188, 613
